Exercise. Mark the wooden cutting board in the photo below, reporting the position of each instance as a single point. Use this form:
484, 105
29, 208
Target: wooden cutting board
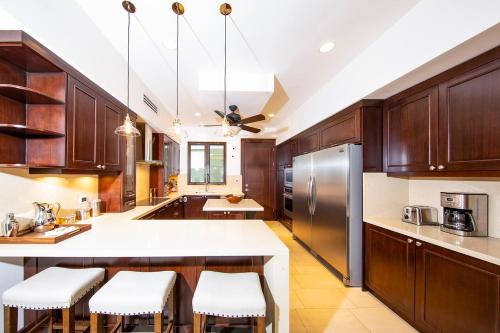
41, 238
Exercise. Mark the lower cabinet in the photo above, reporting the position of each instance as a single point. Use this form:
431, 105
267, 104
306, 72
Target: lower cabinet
226, 215
171, 211
434, 289
193, 206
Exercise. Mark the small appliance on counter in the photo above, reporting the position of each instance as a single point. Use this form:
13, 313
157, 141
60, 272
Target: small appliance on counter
465, 214
420, 215
96, 206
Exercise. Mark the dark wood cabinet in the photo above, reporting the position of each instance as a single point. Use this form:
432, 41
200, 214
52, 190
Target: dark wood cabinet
410, 132
389, 269
171, 211
433, 288
193, 207
285, 152
91, 122
82, 126
450, 283
308, 142
226, 215
469, 120
344, 129
112, 146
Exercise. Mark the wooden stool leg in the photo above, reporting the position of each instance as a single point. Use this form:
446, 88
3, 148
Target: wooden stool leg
51, 321
261, 324
159, 322
96, 323
120, 322
170, 311
9, 319
68, 320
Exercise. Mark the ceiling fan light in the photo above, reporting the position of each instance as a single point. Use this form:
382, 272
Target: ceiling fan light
226, 128
127, 129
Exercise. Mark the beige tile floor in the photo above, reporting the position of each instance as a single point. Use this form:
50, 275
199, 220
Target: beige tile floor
320, 303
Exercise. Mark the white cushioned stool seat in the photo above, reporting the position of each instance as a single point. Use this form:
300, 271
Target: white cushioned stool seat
229, 295
132, 293
53, 288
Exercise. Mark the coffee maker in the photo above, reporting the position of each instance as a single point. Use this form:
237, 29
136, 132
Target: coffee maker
465, 214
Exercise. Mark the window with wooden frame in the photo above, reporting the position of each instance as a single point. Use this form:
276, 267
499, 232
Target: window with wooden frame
206, 163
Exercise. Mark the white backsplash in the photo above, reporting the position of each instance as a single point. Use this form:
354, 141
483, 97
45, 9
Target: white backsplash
233, 185
385, 196
20, 189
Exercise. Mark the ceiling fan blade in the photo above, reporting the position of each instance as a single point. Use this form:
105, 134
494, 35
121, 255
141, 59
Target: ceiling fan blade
249, 129
252, 119
221, 114
211, 125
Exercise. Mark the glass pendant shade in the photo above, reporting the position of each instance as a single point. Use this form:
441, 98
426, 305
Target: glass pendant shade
176, 125
226, 128
127, 129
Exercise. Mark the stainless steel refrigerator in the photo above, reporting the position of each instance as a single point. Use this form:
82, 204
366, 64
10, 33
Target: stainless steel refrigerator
327, 207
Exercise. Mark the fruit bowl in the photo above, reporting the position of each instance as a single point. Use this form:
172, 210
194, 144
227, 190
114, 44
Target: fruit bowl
234, 199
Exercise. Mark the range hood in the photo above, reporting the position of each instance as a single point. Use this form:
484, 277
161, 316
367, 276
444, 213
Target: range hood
144, 146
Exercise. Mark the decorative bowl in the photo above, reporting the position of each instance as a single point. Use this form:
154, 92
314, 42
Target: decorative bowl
234, 199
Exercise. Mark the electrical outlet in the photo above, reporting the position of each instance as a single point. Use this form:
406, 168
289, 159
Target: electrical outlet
82, 199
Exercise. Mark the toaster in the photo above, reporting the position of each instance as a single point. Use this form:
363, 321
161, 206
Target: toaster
420, 215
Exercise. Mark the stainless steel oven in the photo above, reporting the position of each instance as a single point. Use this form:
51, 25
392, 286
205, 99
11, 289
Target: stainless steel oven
288, 177
288, 201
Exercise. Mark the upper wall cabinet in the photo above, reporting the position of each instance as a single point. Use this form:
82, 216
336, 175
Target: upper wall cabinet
469, 120
91, 121
360, 123
410, 133
448, 125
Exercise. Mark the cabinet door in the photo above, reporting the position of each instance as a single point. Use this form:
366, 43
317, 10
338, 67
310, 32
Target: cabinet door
111, 147
390, 268
469, 120
455, 293
235, 216
280, 155
308, 142
217, 216
410, 133
82, 126
279, 192
177, 158
193, 208
294, 150
345, 129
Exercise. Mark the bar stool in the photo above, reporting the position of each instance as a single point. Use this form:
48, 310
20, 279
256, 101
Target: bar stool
232, 295
52, 288
133, 293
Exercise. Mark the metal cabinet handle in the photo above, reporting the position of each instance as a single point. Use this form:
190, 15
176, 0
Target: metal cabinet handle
103, 167
441, 167
418, 244
98, 166
409, 240
432, 168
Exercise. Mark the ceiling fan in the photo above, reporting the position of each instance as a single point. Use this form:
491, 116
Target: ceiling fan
235, 119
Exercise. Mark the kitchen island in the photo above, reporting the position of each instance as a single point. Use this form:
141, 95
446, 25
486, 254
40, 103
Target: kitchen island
120, 242
223, 209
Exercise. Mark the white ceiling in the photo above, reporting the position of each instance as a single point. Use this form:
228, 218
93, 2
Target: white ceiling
280, 38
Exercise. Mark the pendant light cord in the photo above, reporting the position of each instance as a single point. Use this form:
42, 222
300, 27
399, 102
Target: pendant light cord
177, 70
225, 63
128, 63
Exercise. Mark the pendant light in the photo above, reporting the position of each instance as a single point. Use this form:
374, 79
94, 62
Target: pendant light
225, 9
178, 9
128, 129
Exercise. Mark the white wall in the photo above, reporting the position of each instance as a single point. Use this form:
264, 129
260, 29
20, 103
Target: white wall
385, 196
427, 31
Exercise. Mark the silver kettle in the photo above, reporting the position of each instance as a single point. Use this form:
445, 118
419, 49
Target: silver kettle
45, 214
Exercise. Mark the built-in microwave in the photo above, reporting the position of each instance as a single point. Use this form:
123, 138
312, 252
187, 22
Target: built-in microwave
288, 177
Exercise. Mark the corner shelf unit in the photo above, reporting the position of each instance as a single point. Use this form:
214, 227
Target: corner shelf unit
32, 104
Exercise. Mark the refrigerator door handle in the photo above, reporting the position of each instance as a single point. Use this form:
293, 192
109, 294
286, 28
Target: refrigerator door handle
314, 195
309, 195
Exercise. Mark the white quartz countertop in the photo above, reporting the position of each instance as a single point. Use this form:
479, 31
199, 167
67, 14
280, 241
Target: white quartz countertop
245, 205
123, 235
484, 248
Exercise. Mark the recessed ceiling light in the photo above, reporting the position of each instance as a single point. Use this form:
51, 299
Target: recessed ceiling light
327, 47
170, 44
197, 114
271, 115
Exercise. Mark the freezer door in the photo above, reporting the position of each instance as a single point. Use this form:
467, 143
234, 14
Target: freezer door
329, 221
301, 199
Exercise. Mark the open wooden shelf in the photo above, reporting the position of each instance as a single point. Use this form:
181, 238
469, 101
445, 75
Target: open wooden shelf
26, 95
27, 132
